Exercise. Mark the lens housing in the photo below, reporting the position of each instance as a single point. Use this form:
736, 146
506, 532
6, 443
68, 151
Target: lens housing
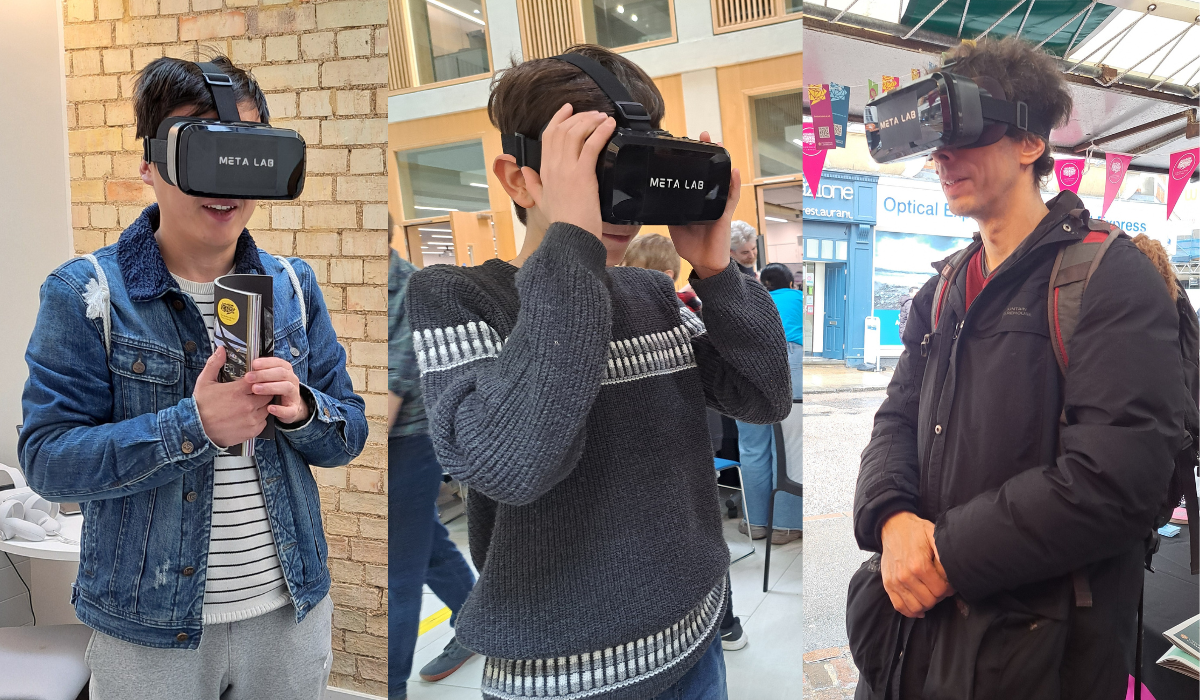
208, 158
940, 111
658, 179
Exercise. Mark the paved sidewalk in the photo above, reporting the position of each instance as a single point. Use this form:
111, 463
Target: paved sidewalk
824, 378
829, 674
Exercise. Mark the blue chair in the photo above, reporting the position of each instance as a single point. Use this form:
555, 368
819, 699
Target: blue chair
721, 465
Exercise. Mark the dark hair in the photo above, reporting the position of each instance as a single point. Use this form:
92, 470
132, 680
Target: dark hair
776, 276
1027, 74
166, 84
526, 95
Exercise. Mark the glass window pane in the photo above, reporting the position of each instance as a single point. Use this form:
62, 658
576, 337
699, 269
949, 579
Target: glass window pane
827, 249
439, 179
436, 244
842, 247
627, 22
810, 248
778, 121
449, 39
791, 7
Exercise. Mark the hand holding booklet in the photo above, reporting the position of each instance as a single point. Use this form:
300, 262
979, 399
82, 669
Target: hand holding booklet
245, 327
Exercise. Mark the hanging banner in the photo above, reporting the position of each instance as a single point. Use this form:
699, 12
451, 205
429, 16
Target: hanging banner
822, 116
839, 98
814, 158
890, 82
1069, 172
1115, 166
1182, 166
872, 89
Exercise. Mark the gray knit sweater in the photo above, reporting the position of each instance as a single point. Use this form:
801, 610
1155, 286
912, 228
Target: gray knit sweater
571, 398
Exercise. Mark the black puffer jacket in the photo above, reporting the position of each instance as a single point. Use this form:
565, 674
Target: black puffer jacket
974, 447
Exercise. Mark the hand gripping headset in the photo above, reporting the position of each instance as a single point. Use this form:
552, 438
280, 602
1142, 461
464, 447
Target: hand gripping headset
645, 176
227, 157
943, 110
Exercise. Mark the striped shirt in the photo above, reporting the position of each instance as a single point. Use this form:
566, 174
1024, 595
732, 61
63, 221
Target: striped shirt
244, 575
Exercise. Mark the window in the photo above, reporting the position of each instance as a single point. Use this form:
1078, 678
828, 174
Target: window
778, 121
437, 180
448, 39
619, 23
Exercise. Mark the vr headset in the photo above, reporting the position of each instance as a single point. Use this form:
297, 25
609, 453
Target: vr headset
943, 110
646, 176
227, 158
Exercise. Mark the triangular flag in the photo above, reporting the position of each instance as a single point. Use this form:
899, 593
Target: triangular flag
1182, 166
813, 157
1115, 166
822, 116
890, 83
1069, 172
872, 89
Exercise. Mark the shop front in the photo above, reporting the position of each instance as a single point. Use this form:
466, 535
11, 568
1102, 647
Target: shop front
839, 220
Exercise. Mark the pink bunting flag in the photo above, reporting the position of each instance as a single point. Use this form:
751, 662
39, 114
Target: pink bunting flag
1183, 164
1069, 172
814, 158
1115, 166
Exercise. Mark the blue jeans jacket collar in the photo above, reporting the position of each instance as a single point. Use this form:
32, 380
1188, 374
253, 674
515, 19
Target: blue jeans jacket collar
146, 275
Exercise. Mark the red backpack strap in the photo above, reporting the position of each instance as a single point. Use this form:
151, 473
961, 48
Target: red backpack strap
1073, 269
945, 279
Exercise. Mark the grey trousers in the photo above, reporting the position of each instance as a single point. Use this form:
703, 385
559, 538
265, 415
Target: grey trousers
269, 656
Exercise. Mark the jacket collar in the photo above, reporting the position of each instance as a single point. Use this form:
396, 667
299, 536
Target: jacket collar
1049, 231
142, 267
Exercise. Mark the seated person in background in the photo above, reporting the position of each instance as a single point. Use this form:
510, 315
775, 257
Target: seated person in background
781, 283
655, 251
203, 573
570, 396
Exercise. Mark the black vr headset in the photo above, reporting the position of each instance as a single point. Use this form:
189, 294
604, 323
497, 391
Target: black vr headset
226, 157
943, 110
645, 176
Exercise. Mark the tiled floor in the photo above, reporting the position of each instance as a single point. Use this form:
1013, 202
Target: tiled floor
768, 668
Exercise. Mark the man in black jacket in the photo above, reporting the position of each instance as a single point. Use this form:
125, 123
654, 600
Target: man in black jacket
1011, 547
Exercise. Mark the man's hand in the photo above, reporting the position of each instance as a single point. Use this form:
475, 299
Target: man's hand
395, 401
566, 188
274, 376
706, 246
231, 413
912, 573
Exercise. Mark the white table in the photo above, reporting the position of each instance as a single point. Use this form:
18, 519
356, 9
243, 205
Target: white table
53, 565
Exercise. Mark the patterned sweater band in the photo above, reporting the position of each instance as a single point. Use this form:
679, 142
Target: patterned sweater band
608, 670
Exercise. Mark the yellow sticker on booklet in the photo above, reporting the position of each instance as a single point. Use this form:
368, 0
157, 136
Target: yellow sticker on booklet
227, 311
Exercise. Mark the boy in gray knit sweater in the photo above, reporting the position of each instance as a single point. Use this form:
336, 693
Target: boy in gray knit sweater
569, 396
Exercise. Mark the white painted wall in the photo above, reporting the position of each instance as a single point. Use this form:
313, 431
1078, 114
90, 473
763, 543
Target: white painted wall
35, 192
14, 599
696, 49
702, 104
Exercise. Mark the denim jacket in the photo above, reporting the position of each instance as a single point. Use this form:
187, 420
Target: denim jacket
117, 430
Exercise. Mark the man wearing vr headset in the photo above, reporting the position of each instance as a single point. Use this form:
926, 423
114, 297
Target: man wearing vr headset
1012, 545
569, 395
204, 574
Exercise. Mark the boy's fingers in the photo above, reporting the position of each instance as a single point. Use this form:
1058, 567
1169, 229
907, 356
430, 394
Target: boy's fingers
597, 140
735, 193
561, 115
581, 130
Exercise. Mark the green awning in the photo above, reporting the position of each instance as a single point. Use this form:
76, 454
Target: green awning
1046, 16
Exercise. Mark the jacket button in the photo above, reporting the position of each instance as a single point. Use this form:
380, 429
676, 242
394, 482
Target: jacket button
187, 447
191, 497
139, 367
188, 571
189, 346
937, 430
181, 637
295, 352
177, 304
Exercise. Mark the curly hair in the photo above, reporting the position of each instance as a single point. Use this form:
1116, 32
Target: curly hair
1027, 74
741, 233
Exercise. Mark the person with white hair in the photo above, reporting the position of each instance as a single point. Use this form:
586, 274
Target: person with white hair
743, 247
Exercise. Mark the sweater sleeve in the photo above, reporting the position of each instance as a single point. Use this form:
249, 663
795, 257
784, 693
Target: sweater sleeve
741, 349
507, 415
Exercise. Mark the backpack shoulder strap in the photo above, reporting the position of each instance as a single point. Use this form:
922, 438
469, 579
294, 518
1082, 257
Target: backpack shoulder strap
1073, 269
945, 279
287, 265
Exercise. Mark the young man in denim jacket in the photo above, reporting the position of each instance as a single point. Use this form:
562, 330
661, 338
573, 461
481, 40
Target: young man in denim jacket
203, 574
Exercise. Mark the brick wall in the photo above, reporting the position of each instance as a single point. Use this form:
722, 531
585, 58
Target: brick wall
323, 66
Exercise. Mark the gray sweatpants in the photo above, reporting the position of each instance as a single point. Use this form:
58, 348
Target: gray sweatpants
269, 656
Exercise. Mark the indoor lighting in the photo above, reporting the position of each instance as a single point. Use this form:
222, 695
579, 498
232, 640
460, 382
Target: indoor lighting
435, 230
775, 218
634, 18
435, 208
458, 12
478, 184
436, 235
798, 142
620, 9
